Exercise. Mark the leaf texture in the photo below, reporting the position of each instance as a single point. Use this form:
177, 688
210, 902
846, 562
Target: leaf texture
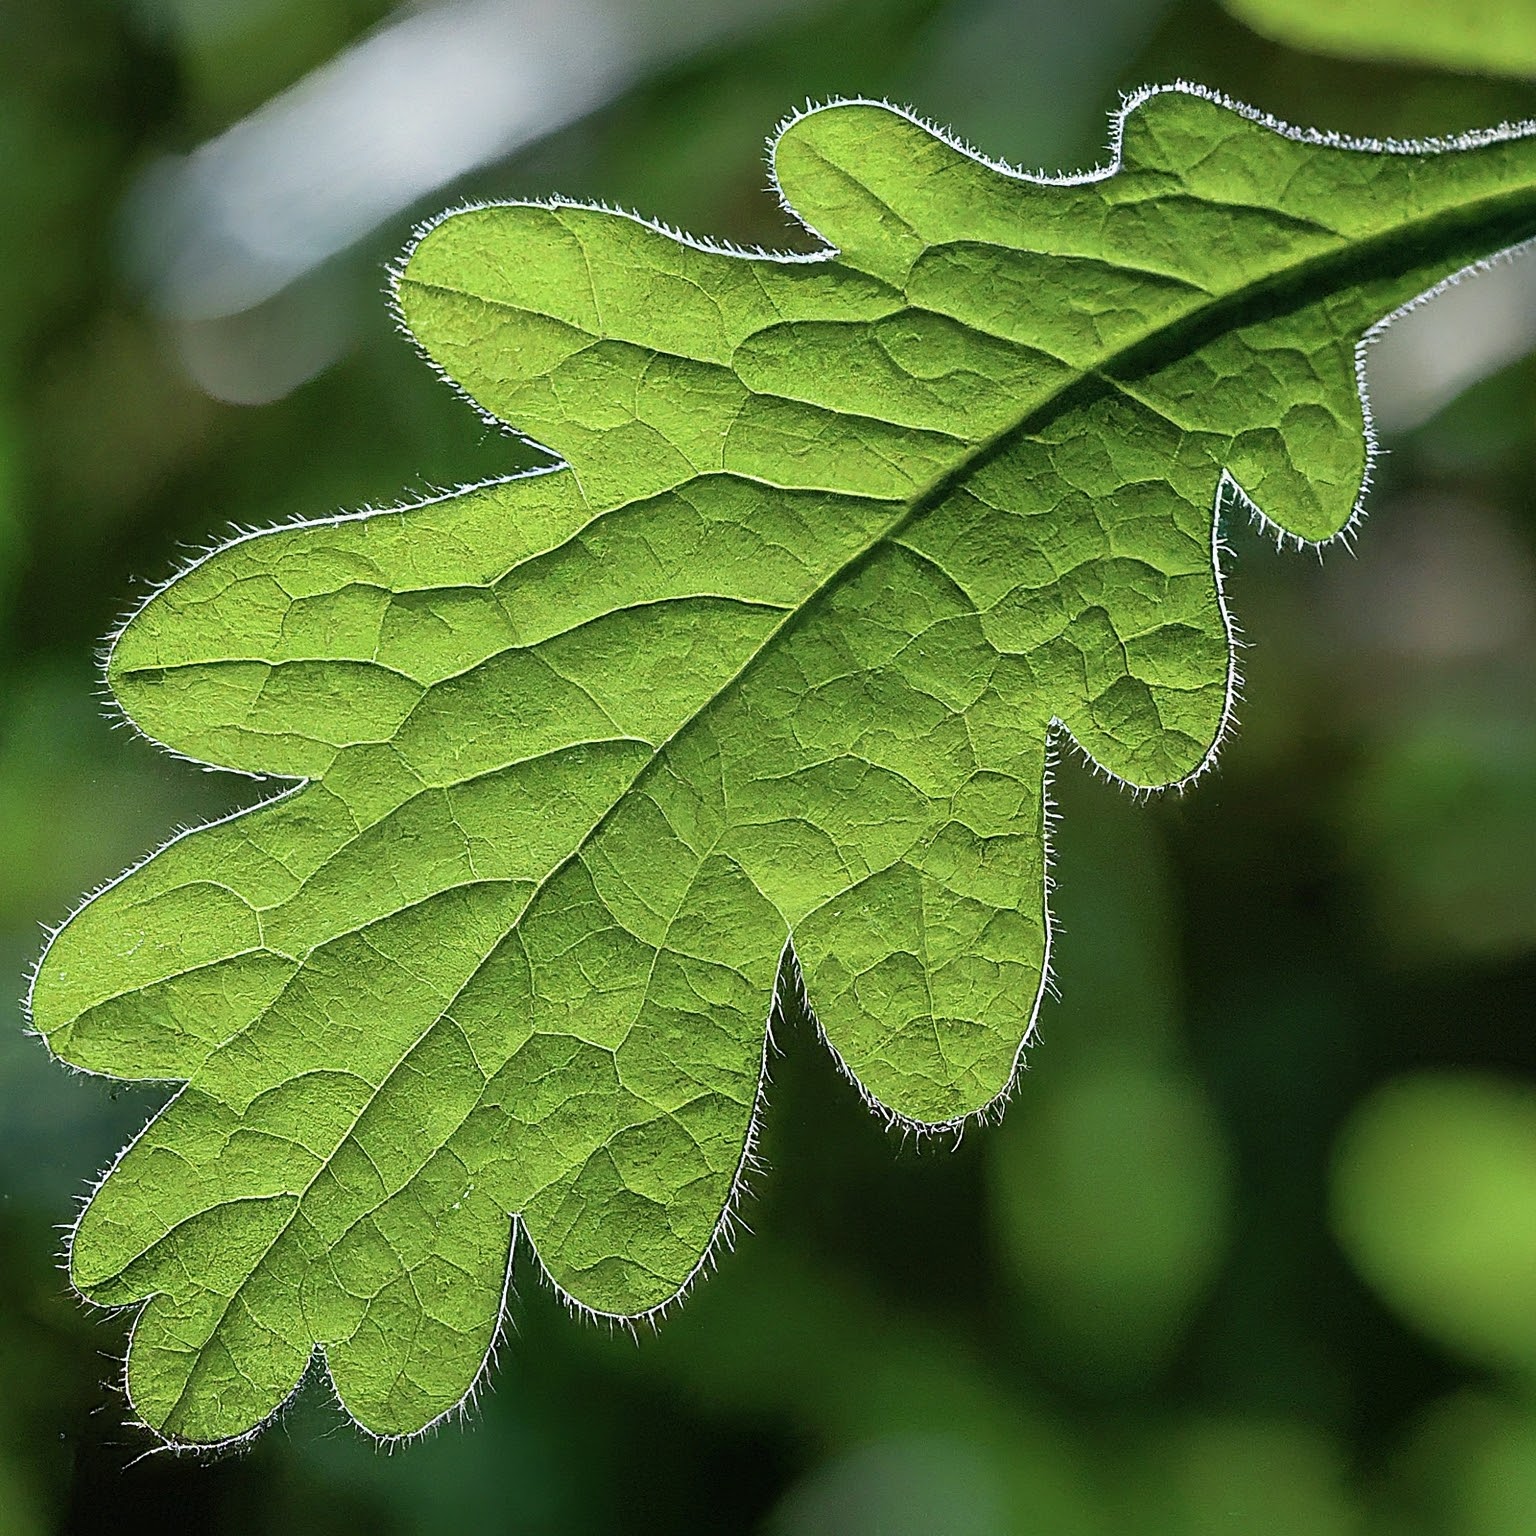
758, 688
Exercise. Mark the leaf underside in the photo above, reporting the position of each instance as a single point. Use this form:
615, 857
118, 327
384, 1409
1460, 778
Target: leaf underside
838, 546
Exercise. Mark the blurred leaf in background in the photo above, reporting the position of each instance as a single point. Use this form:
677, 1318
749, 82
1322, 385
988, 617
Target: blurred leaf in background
1260, 1476
1498, 36
1435, 1201
1467, 1468
1111, 1194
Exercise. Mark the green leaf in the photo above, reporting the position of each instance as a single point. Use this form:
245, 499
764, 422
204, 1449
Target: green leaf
1110, 1196
1496, 37
762, 682
1434, 1199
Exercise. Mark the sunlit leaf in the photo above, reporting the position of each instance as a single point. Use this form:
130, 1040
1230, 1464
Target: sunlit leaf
760, 682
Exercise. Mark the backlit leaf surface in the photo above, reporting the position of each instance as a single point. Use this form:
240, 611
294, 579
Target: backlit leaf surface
762, 682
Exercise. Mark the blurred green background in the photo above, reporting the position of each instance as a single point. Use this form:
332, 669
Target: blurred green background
1254, 1249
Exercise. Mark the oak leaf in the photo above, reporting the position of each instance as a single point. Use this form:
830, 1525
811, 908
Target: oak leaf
761, 683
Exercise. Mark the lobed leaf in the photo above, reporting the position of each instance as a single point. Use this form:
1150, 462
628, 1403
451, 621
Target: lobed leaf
757, 689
